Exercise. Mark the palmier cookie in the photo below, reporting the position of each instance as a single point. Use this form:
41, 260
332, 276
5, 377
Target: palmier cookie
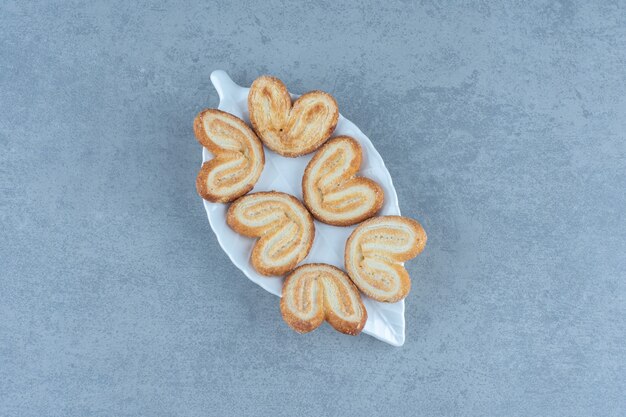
374, 252
239, 156
331, 190
290, 129
282, 224
313, 293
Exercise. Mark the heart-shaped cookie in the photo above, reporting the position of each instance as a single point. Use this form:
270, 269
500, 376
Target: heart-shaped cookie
331, 190
290, 130
374, 252
313, 293
239, 156
283, 225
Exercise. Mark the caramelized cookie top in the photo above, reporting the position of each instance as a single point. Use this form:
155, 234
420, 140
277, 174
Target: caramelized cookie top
238, 156
332, 191
313, 293
290, 129
374, 254
283, 225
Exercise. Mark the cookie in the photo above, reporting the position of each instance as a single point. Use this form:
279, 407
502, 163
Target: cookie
374, 254
331, 190
290, 129
313, 293
283, 226
238, 156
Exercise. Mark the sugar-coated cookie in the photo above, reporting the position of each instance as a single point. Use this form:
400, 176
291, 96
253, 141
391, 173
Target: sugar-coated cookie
313, 293
374, 252
283, 225
290, 129
238, 156
331, 190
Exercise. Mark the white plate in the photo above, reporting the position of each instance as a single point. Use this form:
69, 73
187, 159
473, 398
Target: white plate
385, 321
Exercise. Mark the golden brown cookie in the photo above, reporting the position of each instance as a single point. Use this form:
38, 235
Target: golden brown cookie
313, 293
374, 252
283, 225
239, 156
290, 129
331, 190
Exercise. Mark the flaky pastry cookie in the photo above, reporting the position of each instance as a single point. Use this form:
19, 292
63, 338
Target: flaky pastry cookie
313, 293
331, 190
290, 129
283, 225
374, 252
239, 156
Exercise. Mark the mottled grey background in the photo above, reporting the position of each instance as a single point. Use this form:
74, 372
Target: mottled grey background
503, 126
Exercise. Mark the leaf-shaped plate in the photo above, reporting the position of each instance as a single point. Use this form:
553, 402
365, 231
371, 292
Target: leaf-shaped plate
385, 321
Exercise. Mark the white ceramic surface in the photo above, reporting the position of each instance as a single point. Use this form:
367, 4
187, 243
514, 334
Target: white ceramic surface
385, 321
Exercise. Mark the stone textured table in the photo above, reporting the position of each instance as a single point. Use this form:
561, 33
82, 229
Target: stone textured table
502, 125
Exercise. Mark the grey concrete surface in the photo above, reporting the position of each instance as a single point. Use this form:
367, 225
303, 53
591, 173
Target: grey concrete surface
503, 125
